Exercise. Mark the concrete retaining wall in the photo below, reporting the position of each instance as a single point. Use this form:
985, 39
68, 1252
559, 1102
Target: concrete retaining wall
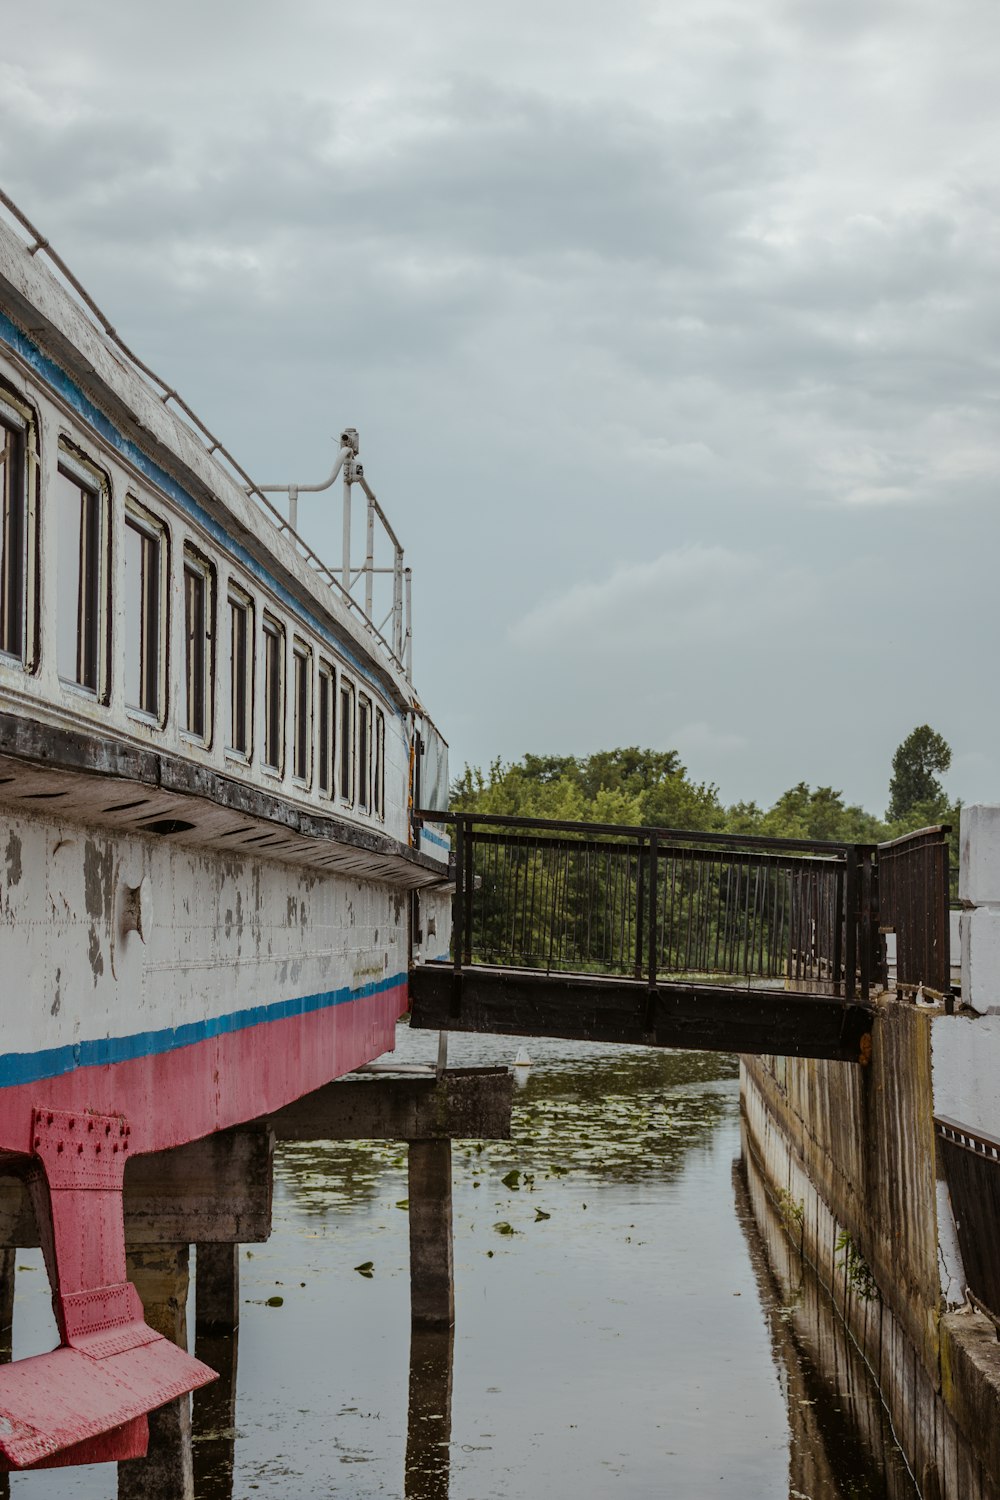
847, 1154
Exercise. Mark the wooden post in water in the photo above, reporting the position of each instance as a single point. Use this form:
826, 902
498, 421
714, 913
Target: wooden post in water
216, 1333
160, 1274
432, 1267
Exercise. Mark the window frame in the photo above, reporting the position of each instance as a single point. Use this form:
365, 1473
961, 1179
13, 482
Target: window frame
73, 464
274, 629
302, 732
378, 783
363, 751
20, 420
197, 565
138, 518
347, 743
326, 764
237, 598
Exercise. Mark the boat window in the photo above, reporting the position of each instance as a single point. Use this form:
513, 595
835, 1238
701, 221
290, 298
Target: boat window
302, 711
144, 616
82, 542
241, 642
274, 693
346, 740
379, 788
13, 532
364, 753
326, 727
199, 608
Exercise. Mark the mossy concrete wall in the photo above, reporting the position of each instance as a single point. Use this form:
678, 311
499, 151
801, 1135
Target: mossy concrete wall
854, 1147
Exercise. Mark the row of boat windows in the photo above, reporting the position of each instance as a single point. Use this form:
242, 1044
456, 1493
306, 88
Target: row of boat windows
336, 732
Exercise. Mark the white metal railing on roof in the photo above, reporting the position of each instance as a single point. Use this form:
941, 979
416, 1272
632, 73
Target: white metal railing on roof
398, 618
398, 645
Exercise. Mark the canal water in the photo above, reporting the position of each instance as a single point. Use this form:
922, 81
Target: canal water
623, 1328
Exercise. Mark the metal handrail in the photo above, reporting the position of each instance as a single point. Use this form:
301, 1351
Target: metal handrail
639, 832
567, 896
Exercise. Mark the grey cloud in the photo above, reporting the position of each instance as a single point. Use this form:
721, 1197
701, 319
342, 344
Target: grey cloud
599, 287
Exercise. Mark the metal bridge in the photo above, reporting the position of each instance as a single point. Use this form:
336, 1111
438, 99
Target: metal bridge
672, 938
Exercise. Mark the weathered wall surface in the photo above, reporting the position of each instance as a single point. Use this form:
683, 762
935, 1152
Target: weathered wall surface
209, 933
875, 1174
848, 1155
819, 1357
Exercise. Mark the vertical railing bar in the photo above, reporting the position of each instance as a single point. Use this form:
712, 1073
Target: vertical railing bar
866, 924
654, 857
669, 923
721, 922
661, 930
640, 897
470, 884
754, 922
458, 900
727, 908
851, 924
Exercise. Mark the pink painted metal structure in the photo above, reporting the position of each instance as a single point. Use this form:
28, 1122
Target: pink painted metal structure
205, 872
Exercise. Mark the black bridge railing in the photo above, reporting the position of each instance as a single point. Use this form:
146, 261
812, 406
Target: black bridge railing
660, 904
971, 1161
913, 903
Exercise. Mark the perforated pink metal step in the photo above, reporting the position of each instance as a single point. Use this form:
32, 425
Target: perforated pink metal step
87, 1401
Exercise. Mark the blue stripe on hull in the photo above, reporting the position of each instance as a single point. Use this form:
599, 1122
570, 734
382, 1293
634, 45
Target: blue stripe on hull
29, 1067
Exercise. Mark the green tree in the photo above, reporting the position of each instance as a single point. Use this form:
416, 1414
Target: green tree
627, 785
914, 789
802, 813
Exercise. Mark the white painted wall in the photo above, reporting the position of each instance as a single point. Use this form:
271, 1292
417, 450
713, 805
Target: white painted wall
979, 891
966, 1048
966, 1070
220, 932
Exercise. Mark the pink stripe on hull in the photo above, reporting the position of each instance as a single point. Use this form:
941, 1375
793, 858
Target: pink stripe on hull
172, 1097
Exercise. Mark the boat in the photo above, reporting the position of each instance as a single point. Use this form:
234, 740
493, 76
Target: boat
209, 755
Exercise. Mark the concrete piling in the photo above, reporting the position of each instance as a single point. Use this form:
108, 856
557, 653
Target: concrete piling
217, 1289
160, 1274
432, 1270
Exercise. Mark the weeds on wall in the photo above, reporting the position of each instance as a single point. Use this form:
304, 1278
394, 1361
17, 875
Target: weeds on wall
792, 1211
856, 1268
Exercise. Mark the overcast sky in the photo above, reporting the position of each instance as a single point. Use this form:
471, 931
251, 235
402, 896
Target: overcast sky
672, 332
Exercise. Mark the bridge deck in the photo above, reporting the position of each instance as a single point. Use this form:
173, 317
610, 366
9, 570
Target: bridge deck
601, 1008
673, 938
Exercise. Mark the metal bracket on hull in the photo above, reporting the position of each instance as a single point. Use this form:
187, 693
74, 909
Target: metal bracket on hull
86, 1402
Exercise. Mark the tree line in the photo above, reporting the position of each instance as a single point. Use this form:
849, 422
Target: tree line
652, 788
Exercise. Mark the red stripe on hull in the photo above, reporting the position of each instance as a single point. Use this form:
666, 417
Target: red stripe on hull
172, 1097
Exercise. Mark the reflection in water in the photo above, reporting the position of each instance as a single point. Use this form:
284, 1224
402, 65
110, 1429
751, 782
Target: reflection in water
601, 1114
428, 1432
840, 1442
214, 1417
